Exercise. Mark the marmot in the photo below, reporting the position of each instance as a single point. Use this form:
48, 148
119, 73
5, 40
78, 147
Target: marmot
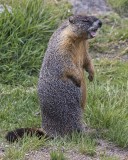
61, 86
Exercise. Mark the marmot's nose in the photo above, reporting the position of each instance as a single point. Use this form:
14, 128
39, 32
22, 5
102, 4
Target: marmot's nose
99, 23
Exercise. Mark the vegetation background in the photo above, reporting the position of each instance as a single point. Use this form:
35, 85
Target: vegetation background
24, 34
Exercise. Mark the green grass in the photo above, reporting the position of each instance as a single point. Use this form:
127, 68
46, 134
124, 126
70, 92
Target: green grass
109, 158
57, 155
107, 108
19, 102
18, 150
112, 37
87, 146
121, 6
24, 37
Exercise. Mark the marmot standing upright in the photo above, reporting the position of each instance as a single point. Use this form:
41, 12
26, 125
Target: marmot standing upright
61, 87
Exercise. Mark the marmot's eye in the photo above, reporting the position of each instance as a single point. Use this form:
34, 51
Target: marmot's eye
71, 19
85, 20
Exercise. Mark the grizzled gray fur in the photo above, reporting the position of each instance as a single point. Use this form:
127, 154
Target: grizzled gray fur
62, 87
60, 100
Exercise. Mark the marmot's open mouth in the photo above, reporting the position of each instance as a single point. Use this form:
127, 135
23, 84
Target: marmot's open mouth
93, 32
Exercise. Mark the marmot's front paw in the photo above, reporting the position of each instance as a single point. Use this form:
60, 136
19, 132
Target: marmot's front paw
91, 77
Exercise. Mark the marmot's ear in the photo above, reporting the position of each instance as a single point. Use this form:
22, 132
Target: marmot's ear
71, 19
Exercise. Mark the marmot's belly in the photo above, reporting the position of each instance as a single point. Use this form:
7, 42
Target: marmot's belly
61, 107
58, 97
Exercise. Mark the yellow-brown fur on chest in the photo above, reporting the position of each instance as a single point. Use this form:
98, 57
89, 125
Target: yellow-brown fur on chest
79, 57
76, 49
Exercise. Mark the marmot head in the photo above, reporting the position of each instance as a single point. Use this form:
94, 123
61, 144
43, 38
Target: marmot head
86, 26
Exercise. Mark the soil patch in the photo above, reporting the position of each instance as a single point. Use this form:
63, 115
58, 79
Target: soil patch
104, 149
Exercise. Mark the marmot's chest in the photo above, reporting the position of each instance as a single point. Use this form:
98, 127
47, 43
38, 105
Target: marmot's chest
79, 54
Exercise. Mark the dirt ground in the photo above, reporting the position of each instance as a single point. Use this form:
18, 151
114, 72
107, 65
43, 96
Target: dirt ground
104, 149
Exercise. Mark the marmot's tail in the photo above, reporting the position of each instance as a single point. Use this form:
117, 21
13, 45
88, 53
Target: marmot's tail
13, 136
